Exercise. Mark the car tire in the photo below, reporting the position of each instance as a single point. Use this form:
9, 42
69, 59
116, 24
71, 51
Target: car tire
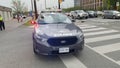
82, 47
72, 17
35, 48
86, 17
103, 17
78, 17
114, 17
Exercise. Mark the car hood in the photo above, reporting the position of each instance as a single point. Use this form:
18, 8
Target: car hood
59, 29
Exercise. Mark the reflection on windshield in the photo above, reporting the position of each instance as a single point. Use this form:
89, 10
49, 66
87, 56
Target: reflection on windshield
116, 12
55, 19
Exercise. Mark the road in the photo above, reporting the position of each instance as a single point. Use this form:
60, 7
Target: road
101, 50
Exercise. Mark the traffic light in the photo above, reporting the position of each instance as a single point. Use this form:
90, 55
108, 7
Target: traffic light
60, 1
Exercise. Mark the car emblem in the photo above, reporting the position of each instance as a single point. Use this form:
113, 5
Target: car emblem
63, 41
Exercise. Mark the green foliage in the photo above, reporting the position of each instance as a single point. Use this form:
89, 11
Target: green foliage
72, 9
110, 4
18, 6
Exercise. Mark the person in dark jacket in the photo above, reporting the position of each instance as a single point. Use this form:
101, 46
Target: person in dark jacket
2, 25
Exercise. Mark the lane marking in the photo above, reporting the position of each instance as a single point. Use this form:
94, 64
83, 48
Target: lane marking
107, 48
93, 29
71, 61
100, 32
104, 55
102, 38
118, 62
87, 27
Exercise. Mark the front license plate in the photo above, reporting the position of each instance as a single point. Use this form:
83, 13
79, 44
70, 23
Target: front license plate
64, 50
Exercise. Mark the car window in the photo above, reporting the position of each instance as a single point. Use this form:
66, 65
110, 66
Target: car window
54, 19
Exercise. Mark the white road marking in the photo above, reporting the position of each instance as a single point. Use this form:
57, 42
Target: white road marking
100, 32
104, 55
93, 29
107, 48
71, 61
87, 27
103, 38
118, 62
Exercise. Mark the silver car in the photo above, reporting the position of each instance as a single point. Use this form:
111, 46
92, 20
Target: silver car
81, 14
54, 33
111, 14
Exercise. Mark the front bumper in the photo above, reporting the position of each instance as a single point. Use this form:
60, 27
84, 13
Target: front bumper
54, 50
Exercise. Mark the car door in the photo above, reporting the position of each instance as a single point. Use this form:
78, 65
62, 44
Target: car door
110, 14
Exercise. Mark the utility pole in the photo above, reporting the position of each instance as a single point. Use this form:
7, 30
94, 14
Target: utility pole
59, 4
35, 7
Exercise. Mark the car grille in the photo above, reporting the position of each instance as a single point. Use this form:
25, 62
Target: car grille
62, 41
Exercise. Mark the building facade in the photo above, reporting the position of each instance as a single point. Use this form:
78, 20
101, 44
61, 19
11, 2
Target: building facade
6, 13
76, 2
91, 4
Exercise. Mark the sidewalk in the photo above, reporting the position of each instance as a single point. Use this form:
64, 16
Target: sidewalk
13, 23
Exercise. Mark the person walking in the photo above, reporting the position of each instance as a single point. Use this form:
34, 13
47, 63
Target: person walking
18, 18
2, 25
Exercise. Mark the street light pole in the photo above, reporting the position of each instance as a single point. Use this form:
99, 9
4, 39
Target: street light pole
59, 4
35, 7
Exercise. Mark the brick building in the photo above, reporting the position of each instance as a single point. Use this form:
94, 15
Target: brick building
91, 4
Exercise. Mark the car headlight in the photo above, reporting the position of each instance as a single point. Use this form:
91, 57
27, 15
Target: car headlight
80, 33
118, 14
40, 36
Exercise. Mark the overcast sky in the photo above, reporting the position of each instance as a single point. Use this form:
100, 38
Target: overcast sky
40, 3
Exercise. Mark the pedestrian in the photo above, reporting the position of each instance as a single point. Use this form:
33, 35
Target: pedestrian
18, 17
2, 25
21, 18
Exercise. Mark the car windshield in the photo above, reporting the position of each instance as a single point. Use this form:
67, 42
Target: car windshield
91, 11
54, 18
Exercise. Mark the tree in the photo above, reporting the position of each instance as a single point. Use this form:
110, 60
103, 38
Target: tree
110, 4
18, 6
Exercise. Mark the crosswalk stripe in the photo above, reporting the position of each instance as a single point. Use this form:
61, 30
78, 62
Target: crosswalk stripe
107, 48
93, 29
102, 38
71, 61
100, 32
118, 62
87, 27
104, 55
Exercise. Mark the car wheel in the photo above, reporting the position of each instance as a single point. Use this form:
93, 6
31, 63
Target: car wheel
78, 17
86, 17
72, 17
103, 17
82, 47
114, 17
35, 48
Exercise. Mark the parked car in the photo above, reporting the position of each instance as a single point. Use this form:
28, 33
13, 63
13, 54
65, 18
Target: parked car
54, 33
92, 14
81, 14
24, 16
73, 15
111, 14
99, 13
67, 13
